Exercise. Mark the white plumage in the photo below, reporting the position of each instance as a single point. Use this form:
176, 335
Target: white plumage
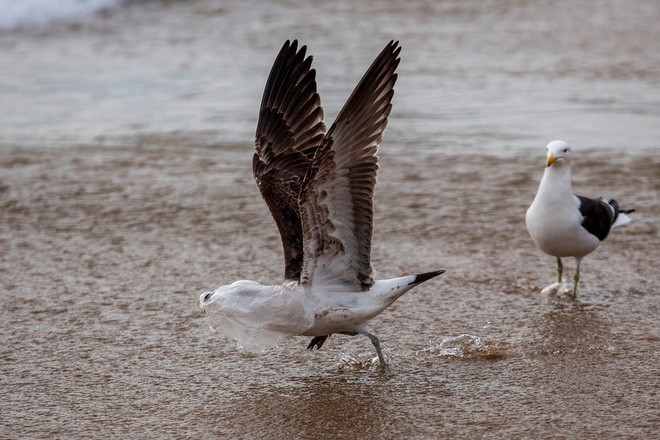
563, 224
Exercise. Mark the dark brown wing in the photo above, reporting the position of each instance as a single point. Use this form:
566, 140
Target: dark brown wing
337, 202
289, 130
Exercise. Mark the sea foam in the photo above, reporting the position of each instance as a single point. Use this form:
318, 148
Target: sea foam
38, 13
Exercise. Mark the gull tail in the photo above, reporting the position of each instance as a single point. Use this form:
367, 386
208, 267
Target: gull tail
426, 276
620, 217
390, 290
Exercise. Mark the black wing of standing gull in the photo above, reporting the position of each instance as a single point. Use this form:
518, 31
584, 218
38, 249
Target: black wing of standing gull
337, 200
598, 215
289, 131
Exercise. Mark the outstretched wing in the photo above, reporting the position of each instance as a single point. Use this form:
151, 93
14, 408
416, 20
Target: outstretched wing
337, 201
289, 131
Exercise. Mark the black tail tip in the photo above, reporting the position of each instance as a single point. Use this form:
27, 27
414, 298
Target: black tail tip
427, 276
617, 208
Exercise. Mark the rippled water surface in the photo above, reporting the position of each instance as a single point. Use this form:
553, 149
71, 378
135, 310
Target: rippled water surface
126, 190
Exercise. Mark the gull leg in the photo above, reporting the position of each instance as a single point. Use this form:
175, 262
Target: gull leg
317, 341
560, 269
576, 279
374, 340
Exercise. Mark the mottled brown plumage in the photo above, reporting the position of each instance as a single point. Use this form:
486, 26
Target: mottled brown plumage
320, 187
289, 130
337, 204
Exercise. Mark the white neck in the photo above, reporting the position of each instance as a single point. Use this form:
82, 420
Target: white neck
556, 182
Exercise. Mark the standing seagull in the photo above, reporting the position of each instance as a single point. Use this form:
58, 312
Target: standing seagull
319, 188
566, 225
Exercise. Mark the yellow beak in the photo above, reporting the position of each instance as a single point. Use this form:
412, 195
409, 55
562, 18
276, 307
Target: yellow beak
550, 160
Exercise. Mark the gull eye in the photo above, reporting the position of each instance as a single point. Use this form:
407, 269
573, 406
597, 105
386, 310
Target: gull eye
565, 150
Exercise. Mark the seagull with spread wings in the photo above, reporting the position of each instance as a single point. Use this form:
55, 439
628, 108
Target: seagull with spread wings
319, 187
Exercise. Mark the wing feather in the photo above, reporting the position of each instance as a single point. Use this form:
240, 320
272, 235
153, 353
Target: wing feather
598, 216
289, 130
337, 200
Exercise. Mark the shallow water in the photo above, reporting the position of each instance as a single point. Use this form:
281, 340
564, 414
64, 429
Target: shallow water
107, 250
475, 76
106, 246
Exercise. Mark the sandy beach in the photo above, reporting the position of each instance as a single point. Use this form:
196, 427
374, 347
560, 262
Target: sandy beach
107, 249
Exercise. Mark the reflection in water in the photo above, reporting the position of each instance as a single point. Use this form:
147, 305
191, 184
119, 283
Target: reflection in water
573, 327
312, 408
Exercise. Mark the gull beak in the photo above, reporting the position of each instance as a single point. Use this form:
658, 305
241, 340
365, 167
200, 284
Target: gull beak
550, 160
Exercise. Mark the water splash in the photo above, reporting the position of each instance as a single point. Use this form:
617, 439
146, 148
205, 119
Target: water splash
351, 362
557, 289
361, 362
465, 346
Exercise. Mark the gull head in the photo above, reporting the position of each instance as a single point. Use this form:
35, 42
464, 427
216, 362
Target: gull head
559, 153
256, 316
204, 297
228, 293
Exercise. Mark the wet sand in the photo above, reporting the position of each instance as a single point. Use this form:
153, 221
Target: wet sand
105, 251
